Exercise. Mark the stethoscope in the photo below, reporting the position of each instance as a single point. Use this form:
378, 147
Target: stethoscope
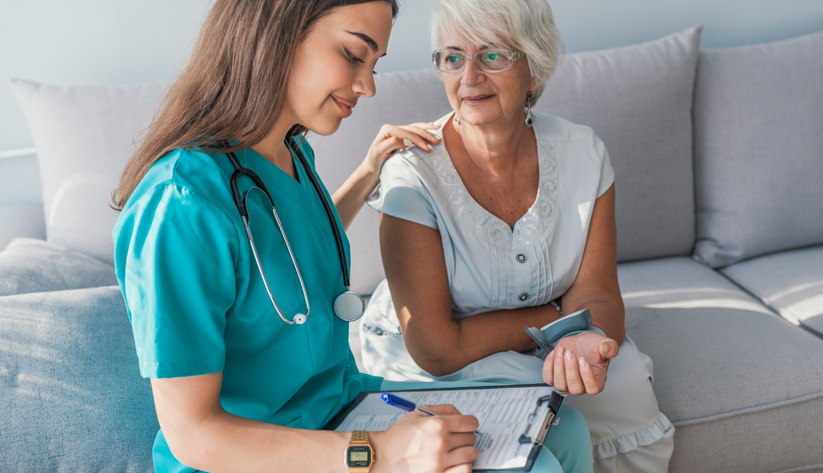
348, 305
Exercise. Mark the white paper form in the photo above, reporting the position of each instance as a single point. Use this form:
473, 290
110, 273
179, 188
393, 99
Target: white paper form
503, 414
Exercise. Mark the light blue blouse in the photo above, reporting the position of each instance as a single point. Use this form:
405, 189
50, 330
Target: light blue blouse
198, 304
490, 265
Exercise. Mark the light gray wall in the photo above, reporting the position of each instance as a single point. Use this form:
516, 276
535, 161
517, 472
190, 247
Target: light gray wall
102, 42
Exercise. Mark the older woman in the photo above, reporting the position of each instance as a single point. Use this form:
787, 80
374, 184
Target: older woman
505, 219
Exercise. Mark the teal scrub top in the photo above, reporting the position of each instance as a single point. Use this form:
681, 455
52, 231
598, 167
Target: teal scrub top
198, 305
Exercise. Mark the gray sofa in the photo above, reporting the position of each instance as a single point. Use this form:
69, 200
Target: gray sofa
718, 156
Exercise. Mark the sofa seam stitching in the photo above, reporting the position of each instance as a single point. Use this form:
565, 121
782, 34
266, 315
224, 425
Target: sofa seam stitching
749, 410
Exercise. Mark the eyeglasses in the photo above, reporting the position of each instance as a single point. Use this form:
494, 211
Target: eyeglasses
487, 60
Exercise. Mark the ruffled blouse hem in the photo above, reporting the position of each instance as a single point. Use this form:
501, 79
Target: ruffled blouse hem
608, 448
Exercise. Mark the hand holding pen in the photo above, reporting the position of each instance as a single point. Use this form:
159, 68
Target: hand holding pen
438, 440
408, 406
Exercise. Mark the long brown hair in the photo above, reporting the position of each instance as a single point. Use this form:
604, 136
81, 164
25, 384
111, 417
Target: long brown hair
229, 90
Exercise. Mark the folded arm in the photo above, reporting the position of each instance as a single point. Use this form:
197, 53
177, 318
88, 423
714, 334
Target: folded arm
416, 271
415, 268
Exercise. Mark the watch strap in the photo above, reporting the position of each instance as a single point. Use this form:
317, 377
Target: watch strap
360, 438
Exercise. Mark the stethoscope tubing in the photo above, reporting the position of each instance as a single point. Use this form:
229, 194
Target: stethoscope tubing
238, 199
265, 280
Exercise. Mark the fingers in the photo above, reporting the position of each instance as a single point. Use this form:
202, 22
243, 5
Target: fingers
548, 369
593, 386
406, 135
425, 125
452, 420
560, 369
460, 469
462, 458
423, 132
567, 372
443, 409
573, 379
465, 439
609, 349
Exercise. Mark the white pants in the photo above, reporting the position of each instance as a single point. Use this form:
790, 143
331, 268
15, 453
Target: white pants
629, 433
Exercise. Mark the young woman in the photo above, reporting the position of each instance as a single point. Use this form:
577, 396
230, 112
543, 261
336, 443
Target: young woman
232, 262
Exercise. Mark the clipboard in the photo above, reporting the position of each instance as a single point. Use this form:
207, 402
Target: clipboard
530, 433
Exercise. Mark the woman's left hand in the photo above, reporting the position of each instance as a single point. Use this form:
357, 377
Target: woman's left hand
578, 364
392, 138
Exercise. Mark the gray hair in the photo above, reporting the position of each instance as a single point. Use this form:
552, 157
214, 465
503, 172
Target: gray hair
523, 25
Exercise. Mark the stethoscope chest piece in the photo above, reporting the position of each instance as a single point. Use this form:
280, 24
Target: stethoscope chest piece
349, 306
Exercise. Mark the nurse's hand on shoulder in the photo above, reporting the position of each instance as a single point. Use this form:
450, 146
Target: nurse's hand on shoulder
393, 138
579, 363
426, 444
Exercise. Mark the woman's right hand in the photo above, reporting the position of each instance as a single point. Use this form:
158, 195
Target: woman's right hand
427, 444
392, 138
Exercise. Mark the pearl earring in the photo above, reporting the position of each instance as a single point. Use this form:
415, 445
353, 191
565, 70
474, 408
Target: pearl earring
457, 118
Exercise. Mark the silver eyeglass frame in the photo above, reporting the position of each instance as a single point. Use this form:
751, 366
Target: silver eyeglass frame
511, 55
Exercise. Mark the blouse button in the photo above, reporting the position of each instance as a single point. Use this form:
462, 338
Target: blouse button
523, 296
521, 258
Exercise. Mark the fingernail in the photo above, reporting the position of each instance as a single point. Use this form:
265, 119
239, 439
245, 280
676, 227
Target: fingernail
582, 361
560, 351
604, 348
407, 142
551, 354
428, 148
569, 356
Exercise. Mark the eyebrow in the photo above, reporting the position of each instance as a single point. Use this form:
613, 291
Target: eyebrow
456, 48
372, 43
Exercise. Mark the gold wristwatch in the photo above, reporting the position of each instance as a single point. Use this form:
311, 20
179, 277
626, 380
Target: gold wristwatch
360, 456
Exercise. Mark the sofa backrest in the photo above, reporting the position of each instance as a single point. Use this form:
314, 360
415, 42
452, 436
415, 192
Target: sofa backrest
758, 118
84, 137
638, 99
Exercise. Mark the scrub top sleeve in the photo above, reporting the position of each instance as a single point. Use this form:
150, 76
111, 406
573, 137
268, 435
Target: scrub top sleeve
601, 157
401, 194
180, 282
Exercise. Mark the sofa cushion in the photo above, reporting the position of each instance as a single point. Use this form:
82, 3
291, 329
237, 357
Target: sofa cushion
638, 99
758, 116
651, 151
70, 392
743, 388
84, 136
791, 283
31, 265
21, 220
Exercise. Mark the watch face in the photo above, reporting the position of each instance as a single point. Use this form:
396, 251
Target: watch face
358, 457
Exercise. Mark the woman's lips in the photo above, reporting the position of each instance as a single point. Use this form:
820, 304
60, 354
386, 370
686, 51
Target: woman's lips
344, 105
476, 99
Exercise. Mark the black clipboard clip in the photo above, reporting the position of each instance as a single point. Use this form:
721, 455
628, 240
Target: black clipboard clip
555, 400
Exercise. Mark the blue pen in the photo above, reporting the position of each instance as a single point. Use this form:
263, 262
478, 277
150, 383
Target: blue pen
404, 404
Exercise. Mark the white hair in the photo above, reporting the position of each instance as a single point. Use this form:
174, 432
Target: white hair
522, 25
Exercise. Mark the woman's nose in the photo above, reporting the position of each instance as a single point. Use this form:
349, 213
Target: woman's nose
471, 74
364, 85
